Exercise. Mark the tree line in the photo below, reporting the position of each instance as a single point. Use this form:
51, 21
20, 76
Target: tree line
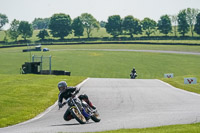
61, 25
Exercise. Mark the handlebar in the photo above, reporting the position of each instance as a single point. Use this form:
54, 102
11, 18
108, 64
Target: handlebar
72, 96
62, 105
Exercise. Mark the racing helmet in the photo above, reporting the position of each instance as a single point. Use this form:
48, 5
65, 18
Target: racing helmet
62, 85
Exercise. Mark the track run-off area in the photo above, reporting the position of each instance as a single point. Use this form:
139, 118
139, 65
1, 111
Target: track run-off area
122, 103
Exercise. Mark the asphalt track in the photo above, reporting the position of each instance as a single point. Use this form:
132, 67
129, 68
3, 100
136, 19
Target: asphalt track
133, 50
122, 103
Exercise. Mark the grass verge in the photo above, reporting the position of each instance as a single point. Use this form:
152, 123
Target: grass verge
178, 82
189, 128
25, 96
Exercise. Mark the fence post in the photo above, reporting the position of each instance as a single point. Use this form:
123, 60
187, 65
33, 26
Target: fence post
40, 66
50, 64
33, 56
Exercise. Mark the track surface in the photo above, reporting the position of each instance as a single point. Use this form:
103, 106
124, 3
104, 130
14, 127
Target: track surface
122, 103
132, 50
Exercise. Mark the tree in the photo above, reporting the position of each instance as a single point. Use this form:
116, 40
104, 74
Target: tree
60, 25
25, 29
197, 25
191, 18
149, 26
42, 34
77, 26
174, 20
40, 23
3, 20
164, 24
102, 24
183, 26
89, 23
13, 32
113, 26
131, 26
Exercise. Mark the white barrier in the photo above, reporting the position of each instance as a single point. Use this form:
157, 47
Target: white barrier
190, 80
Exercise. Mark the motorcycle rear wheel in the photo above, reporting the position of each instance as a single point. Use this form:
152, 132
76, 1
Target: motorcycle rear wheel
79, 117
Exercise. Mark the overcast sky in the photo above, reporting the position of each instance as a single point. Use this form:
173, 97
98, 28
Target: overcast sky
28, 10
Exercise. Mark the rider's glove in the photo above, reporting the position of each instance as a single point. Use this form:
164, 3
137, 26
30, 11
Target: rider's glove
60, 104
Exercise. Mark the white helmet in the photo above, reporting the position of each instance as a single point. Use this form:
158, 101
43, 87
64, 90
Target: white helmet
62, 85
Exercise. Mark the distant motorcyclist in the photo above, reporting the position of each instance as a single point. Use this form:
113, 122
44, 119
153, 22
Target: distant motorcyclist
66, 92
133, 73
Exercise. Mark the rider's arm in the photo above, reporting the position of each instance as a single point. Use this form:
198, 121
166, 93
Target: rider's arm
77, 90
74, 90
60, 99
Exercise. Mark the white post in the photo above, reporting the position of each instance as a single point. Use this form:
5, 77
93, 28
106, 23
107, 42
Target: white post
33, 58
50, 64
41, 63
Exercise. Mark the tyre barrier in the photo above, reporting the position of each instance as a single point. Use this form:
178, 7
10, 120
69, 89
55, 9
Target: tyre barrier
55, 72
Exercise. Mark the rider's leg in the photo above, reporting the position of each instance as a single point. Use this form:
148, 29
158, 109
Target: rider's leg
90, 104
86, 99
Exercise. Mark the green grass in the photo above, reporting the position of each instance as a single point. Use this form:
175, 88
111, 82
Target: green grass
25, 96
190, 128
178, 82
24, 89
110, 64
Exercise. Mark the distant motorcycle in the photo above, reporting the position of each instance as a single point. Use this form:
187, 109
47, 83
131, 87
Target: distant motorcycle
81, 113
133, 75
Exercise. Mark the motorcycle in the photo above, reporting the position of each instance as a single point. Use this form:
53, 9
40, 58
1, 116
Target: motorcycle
81, 111
133, 75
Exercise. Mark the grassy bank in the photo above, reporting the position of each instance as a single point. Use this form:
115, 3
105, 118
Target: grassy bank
190, 128
25, 96
178, 82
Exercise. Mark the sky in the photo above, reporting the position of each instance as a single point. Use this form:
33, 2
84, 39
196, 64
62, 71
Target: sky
28, 10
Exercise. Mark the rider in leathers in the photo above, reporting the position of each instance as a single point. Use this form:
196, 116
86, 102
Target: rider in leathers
66, 92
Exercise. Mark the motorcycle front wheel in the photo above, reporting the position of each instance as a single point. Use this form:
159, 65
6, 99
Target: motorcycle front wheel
79, 117
95, 117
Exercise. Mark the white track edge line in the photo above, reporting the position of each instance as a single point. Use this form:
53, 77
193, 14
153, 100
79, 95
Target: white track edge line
185, 91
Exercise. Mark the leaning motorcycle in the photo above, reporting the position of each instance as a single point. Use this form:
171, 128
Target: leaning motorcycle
81, 111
